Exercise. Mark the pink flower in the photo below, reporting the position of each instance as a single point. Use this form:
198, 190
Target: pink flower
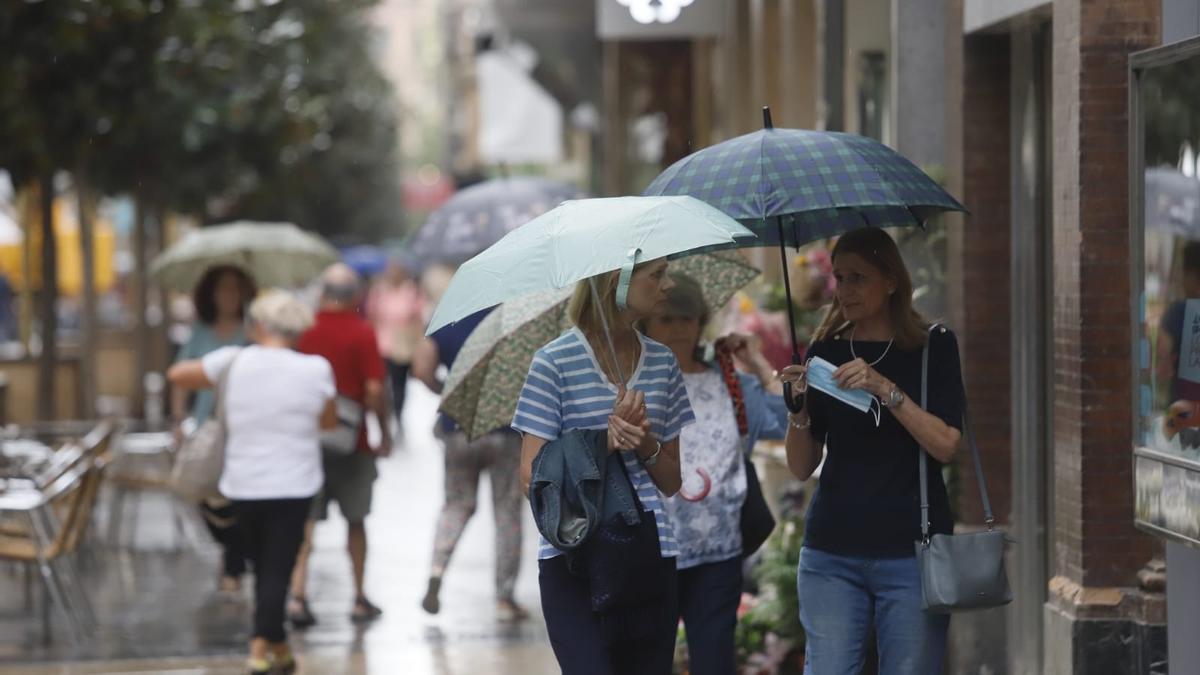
771, 328
748, 602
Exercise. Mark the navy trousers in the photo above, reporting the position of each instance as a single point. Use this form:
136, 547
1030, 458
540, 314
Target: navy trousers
709, 596
576, 636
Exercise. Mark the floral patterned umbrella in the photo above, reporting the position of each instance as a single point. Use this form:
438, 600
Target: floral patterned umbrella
485, 380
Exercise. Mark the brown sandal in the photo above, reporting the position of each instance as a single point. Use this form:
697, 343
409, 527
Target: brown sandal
364, 611
302, 617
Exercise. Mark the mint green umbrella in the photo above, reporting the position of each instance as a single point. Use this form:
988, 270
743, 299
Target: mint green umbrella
580, 239
485, 380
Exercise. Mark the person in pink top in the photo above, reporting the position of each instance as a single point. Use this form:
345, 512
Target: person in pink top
397, 307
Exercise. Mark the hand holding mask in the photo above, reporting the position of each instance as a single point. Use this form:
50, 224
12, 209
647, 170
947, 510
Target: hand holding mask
820, 377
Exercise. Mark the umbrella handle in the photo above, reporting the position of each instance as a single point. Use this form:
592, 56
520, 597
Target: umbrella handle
795, 405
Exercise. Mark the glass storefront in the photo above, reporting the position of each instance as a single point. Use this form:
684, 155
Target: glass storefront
1165, 207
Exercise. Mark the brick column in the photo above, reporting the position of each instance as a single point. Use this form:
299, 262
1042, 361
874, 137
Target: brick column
1097, 621
986, 271
981, 66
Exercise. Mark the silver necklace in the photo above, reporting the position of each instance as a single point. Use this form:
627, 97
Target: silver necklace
885, 349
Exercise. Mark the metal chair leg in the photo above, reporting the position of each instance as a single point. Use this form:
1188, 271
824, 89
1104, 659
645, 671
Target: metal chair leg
67, 580
180, 542
47, 634
78, 601
115, 514
28, 572
133, 521
71, 580
51, 584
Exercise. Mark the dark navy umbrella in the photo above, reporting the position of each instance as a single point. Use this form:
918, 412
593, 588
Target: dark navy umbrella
479, 216
793, 186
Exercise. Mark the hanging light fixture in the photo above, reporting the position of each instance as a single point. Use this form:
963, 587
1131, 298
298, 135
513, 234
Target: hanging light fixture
655, 11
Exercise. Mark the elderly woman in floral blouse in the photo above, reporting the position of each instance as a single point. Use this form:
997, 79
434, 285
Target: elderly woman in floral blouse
708, 507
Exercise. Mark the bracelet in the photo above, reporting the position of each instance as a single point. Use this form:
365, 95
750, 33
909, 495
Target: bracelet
653, 458
792, 422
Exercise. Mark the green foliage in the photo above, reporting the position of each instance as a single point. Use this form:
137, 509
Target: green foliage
807, 320
222, 109
57, 59
777, 610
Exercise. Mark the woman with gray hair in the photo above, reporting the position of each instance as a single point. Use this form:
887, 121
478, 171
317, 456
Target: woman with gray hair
275, 402
733, 410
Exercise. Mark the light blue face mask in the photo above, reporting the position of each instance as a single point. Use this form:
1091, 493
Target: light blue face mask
820, 377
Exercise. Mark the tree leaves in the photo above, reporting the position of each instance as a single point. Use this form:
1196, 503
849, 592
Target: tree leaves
258, 109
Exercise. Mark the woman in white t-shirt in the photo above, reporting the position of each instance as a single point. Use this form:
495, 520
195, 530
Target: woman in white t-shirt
276, 401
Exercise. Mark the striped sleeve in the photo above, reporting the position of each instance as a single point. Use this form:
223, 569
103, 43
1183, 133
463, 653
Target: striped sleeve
679, 413
539, 408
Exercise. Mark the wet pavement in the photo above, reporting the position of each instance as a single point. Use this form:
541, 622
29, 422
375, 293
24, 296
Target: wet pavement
159, 612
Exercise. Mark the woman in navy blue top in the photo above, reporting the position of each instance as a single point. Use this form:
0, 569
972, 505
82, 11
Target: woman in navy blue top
858, 569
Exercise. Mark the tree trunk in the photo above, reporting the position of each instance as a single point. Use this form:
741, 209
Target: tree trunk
88, 319
47, 363
141, 339
29, 212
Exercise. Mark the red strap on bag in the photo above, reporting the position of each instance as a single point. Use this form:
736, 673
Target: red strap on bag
734, 385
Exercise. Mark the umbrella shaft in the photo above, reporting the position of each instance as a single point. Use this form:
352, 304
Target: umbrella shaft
612, 348
787, 287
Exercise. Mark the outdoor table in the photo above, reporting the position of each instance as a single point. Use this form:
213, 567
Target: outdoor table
22, 457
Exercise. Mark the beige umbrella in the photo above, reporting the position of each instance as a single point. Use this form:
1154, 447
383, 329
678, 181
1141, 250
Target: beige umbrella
275, 254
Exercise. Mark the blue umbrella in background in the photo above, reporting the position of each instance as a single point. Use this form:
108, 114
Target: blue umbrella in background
367, 260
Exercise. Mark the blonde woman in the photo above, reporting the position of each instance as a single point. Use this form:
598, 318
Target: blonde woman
632, 388
276, 400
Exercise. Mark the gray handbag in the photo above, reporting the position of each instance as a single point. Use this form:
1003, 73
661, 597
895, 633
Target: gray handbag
342, 440
960, 572
198, 463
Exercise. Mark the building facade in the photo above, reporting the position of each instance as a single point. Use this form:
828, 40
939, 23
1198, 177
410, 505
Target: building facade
1022, 107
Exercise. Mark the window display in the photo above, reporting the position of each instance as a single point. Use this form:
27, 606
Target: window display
1165, 215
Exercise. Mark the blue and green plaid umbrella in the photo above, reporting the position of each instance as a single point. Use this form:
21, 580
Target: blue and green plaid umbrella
793, 186
818, 183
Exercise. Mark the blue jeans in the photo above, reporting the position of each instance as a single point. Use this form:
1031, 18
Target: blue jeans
843, 597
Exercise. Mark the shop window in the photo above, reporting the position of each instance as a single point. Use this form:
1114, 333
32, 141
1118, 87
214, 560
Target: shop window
1165, 213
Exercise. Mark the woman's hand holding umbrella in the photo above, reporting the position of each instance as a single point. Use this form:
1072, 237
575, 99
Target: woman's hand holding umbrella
795, 378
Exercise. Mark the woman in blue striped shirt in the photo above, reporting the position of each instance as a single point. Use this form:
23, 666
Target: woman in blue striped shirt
574, 382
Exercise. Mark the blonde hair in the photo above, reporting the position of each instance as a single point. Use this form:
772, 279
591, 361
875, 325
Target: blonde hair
879, 250
583, 310
282, 314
